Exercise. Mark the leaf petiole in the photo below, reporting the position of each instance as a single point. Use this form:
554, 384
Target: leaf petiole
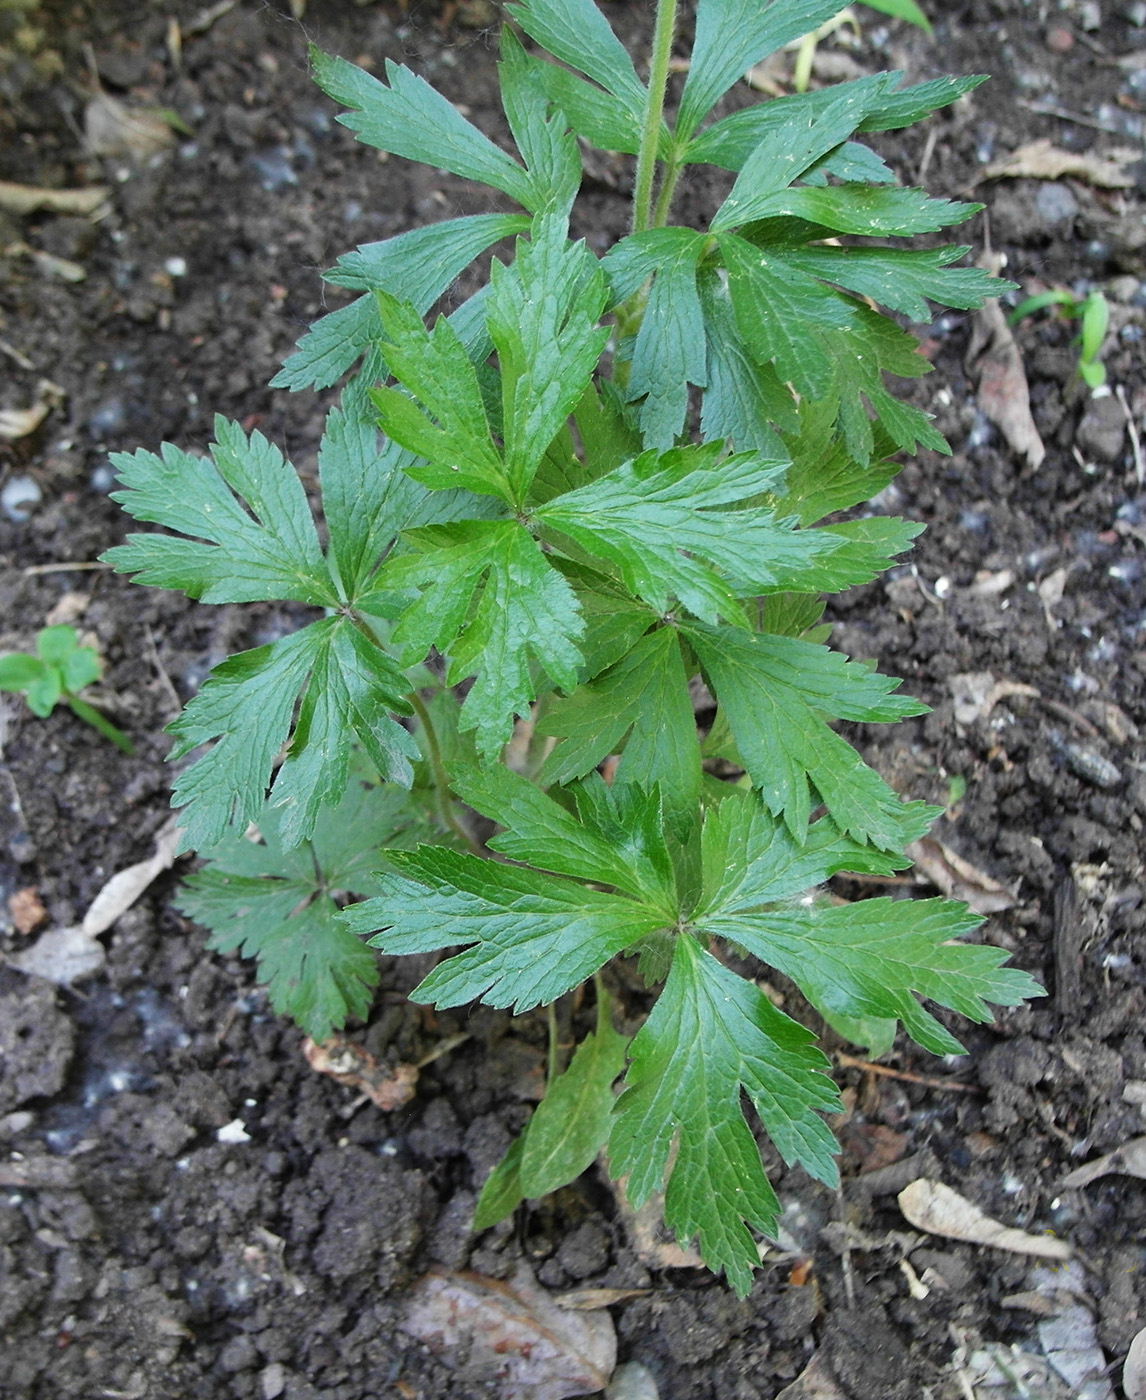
90, 715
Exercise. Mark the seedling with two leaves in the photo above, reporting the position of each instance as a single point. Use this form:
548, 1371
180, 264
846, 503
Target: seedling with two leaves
593, 484
59, 670
1091, 310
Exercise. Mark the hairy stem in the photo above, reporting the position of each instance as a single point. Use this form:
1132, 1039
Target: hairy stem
650, 136
669, 180
446, 813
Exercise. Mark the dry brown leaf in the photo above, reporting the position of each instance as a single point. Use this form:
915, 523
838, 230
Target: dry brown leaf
958, 878
994, 359
815, 1382
589, 1299
63, 956
16, 423
532, 1348
349, 1064
1127, 1160
936, 1208
112, 129
646, 1231
124, 888
1134, 1369
1042, 160
27, 909
30, 199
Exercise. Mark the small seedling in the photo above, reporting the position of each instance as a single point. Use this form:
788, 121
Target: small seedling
596, 484
805, 47
60, 669
1094, 313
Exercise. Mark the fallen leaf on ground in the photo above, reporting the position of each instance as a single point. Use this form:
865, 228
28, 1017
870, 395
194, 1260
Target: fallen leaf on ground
1070, 1344
30, 199
387, 1087
958, 878
531, 1347
1042, 160
936, 1208
632, 1381
113, 129
18, 423
62, 956
124, 888
1127, 1160
1004, 396
815, 1382
1134, 1370
646, 1232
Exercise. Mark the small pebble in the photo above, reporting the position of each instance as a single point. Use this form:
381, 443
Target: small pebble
233, 1132
175, 267
1060, 39
632, 1381
20, 496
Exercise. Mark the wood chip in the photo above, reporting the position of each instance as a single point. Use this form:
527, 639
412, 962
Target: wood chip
64, 956
936, 1208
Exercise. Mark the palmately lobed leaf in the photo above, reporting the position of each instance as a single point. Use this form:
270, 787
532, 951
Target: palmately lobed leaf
711, 1037
531, 937
246, 502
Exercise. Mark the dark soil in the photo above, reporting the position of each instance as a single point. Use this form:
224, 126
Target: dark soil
140, 1256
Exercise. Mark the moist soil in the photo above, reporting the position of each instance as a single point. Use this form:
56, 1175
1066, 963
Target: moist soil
143, 1255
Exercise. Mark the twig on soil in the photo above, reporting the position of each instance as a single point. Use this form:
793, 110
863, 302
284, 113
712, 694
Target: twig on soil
161, 671
1048, 109
906, 1075
17, 355
1135, 440
62, 568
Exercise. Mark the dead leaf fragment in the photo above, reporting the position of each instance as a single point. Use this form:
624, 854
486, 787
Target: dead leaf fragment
62, 955
815, 1382
1134, 1370
387, 1087
958, 878
1042, 160
27, 909
16, 423
113, 129
1127, 1160
533, 1349
936, 1208
30, 199
124, 888
976, 693
1004, 396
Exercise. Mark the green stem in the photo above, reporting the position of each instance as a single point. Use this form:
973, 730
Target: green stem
551, 1019
669, 180
441, 779
650, 136
90, 715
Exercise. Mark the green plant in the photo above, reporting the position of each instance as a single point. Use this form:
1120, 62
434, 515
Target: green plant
599, 479
806, 46
60, 669
1094, 313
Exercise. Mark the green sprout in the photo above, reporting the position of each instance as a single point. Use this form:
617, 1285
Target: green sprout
806, 47
60, 669
1094, 313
